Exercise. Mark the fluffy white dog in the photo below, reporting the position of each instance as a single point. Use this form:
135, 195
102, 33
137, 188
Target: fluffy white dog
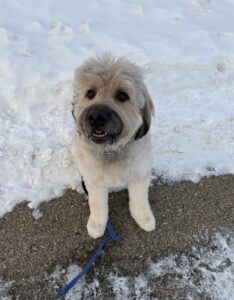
112, 110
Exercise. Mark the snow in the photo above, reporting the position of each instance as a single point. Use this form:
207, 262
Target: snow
213, 264
193, 132
206, 270
4, 288
81, 290
120, 286
186, 52
35, 158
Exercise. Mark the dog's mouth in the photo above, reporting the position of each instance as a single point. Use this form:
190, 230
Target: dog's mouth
100, 136
101, 125
98, 133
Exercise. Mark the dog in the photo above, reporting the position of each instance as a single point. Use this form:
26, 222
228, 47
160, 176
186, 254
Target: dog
112, 110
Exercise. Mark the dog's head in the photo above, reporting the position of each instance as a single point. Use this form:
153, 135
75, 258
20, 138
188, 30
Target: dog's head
111, 102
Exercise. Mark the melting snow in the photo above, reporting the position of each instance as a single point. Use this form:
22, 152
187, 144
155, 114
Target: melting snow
206, 270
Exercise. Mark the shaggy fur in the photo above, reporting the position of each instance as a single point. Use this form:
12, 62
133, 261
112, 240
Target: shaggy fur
123, 158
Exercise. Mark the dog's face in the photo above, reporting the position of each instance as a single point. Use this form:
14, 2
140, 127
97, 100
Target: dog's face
111, 103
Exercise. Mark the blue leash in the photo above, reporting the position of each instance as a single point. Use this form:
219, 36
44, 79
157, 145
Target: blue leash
112, 236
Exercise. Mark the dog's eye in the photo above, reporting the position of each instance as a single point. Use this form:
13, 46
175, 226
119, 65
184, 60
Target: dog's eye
91, 94
122, 96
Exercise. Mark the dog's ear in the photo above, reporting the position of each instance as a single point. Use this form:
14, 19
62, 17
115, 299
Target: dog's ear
76, 88
73, 111
147, 113
75, 99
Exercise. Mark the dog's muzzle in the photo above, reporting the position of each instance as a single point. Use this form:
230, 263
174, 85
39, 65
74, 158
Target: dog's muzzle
102, 124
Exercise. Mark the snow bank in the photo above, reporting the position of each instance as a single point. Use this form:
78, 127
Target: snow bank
186, 51
35, 157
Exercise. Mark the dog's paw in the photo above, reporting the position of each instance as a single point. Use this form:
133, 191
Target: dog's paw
95, 229
146, 222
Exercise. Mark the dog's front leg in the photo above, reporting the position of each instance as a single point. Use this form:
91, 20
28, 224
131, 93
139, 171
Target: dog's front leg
98, 204
139, 204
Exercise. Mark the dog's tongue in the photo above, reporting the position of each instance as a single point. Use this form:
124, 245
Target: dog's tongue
99, 132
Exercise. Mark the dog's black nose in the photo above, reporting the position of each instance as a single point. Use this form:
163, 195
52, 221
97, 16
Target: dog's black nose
99, 116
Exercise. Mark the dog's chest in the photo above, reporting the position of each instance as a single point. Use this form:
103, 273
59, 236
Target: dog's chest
115, 173
109, 174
